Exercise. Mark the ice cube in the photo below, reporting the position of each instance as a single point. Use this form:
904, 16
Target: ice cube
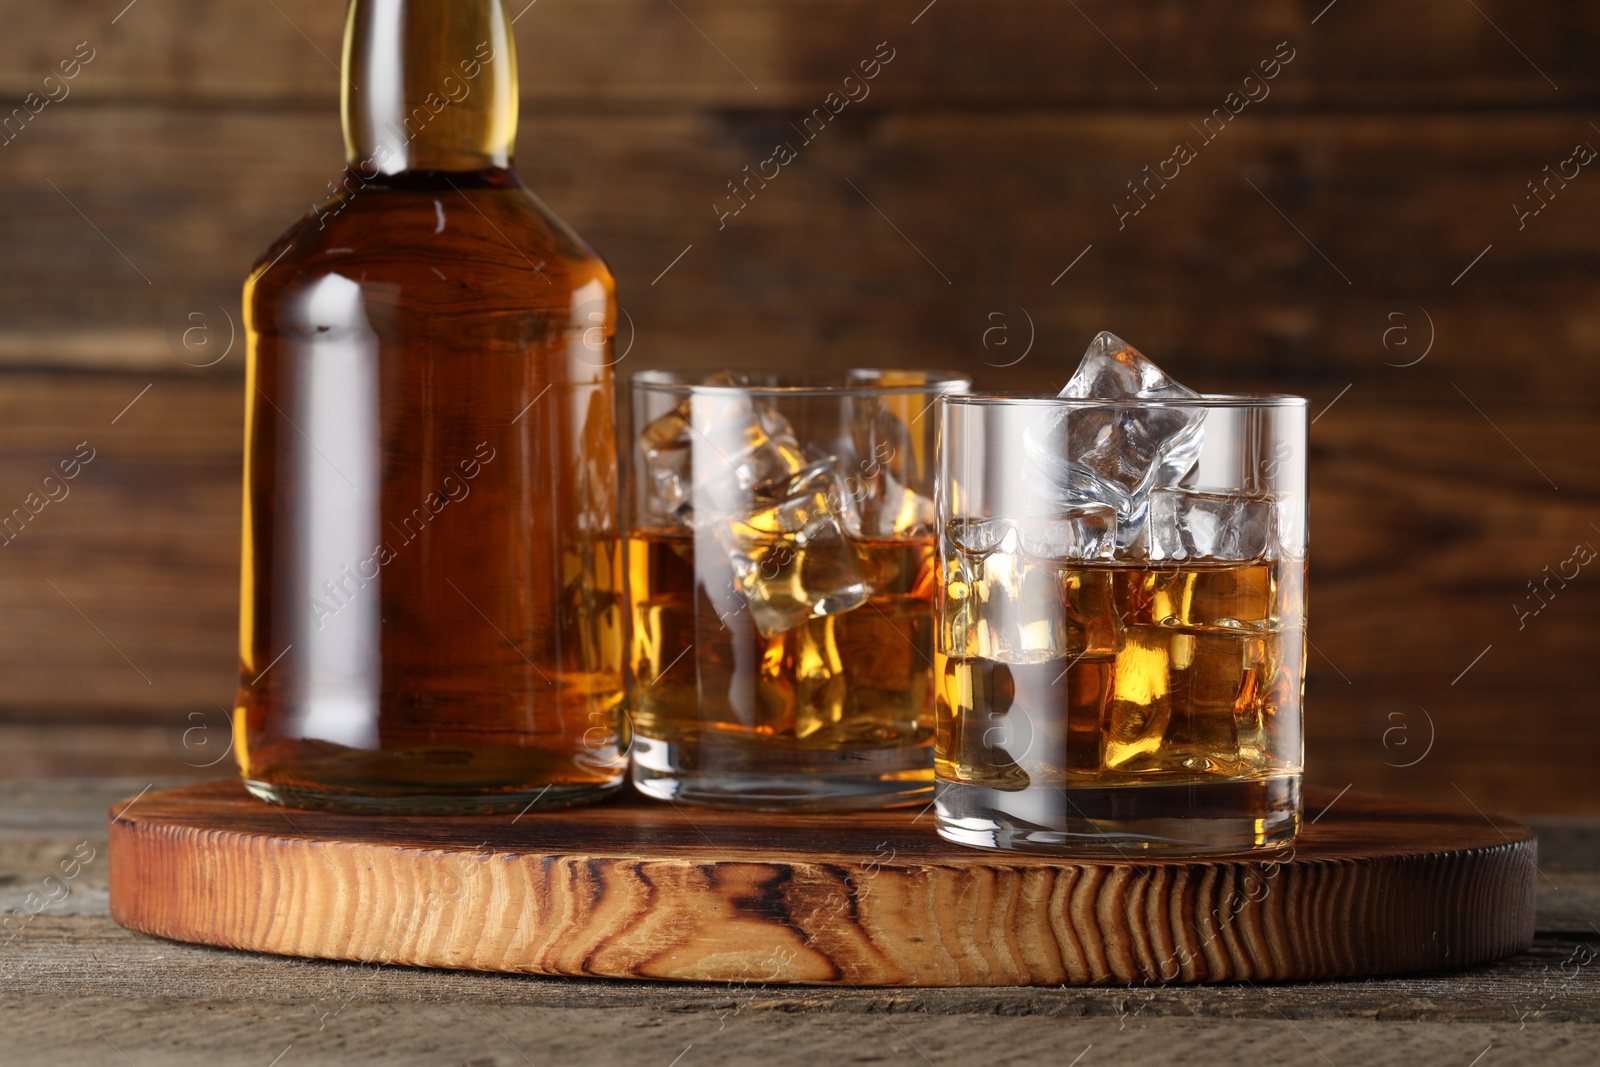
809, 665
980, 601
745, 449
715, 452
1178, 698
887, 649
857, 678
668, 447
1063, 708
1206, 598
1211, 524
973, 701
1115, 453
1006, 603
663, 628
882, 507
1112, 369
1088, 531
791, 560
979, 537
878, 464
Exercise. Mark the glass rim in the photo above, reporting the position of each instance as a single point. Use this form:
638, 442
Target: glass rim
853, 381
1204, 400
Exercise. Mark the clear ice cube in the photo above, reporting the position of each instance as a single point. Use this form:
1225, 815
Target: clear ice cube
1189, 524
1201, 599
877, 464
886, 647
1116, 453
975, 699
804, 670
791, 559
1058, 710
747, 448
882, 507
668, 448
663, 627
1026, 597
979, 537
1178, 699
860, 677
716, 452
1088, 531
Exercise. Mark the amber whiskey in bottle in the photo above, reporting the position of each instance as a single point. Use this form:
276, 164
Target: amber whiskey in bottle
432, 615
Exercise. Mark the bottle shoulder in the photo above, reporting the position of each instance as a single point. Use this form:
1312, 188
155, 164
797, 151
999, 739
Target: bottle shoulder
482, 234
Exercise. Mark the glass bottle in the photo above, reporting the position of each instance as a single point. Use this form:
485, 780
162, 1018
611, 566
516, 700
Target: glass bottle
432, 612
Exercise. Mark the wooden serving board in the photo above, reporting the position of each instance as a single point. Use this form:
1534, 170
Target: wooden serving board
642, 889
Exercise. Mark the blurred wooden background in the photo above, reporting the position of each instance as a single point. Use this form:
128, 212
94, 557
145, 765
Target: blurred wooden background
1352, 236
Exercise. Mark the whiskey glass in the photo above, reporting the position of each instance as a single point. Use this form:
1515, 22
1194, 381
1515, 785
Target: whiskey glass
1120, 675
781, 583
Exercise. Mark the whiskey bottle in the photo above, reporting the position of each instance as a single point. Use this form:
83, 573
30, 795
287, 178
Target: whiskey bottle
432, 612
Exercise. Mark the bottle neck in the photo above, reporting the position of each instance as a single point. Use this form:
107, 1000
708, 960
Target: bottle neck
428, 85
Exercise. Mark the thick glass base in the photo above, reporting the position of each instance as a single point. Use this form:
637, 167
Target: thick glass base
464, 803
1123, 821
769, 779
439, 779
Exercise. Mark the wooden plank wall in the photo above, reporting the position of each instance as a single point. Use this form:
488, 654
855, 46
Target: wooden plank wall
1353, 235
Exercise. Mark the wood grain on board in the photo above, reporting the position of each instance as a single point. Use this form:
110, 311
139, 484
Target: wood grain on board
637, 889
162, 1001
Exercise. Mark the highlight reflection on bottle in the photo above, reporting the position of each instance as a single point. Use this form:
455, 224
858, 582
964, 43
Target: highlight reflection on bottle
432, 613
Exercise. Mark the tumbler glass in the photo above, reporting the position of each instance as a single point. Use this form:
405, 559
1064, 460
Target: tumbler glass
781, 578
1120, 671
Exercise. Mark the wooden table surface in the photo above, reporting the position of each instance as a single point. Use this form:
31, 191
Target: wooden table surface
76, 988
